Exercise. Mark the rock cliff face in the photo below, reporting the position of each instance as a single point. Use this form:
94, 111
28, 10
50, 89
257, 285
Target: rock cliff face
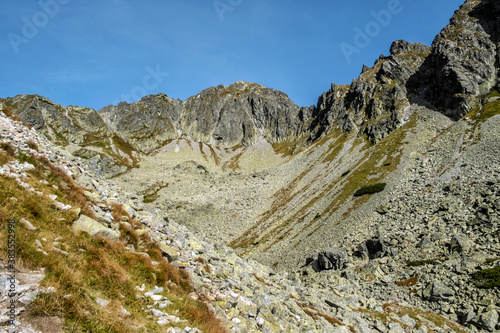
241, 113
73, 124
238, 114
374, 103
464, 63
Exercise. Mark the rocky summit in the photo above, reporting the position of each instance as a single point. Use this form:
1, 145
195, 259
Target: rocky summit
376, 210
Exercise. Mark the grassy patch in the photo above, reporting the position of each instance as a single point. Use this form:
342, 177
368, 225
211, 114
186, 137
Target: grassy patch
408, 282
370, 189
487, 278
7, 152
32, 144
416, 263
487, 110
284, 148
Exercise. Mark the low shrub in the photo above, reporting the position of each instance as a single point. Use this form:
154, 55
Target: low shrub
487, 278
370, 189
415, 263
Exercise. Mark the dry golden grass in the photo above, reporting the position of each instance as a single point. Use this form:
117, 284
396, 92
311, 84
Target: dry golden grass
94, 267
32, 144
408, 282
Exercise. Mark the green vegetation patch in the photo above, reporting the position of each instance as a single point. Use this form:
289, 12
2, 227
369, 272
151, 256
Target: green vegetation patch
487, 278
490, 109
370, 189
416, 263
345, 173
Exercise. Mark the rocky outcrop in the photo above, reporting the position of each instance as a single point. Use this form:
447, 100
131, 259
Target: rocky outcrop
374, 103
461, 66
241, 113
62, 125
464, 63
333, 259
145, 125
238, 114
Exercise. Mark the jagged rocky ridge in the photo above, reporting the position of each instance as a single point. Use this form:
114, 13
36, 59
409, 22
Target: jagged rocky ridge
461, 65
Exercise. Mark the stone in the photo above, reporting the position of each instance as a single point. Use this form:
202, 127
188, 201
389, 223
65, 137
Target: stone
332, 259
425, 242
102, 302
395, 328
162, 321
437, 291
459, 244
157, 313
373, 248
488, 320
168, 252
124, 313
94, 197
94, 228
27, 224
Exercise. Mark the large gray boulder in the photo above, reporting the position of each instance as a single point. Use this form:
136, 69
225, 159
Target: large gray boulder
373, 248
460, 244
489, 320
334, 258
94, 228
437, 291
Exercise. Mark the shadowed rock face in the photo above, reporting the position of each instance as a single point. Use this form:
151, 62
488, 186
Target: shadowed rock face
374, 103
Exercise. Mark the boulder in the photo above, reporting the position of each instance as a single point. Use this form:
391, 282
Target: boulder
488, 320
460, 244
94, 197
94, 228
373, 248
437, 291
168, 252
333, 259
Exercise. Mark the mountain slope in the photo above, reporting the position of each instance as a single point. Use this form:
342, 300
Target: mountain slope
281, 184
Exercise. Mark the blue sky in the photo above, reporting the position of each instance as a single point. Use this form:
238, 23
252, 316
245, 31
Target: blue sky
98, 52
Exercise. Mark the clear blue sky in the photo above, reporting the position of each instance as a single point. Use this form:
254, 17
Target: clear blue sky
97, 52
